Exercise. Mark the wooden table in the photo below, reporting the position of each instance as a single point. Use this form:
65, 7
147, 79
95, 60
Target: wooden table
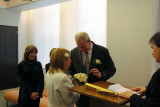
99, 99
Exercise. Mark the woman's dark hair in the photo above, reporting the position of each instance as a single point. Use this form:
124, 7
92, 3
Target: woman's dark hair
155, 39
29, 49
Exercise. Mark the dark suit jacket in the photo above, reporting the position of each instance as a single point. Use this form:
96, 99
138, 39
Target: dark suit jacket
47, 67
152, 94
106, 67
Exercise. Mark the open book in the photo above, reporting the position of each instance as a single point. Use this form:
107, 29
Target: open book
118, 88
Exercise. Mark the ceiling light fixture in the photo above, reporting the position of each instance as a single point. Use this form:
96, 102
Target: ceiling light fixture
27, 0
6, 1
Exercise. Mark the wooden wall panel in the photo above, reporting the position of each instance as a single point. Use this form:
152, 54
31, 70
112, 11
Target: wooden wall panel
8, 57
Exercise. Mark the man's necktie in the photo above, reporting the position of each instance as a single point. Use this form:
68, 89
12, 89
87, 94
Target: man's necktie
87, 63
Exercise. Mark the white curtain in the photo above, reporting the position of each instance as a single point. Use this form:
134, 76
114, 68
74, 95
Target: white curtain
55, 26
92, 18
39, 27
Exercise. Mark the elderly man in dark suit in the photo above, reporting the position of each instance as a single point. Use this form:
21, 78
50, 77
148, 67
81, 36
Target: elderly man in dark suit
91, 59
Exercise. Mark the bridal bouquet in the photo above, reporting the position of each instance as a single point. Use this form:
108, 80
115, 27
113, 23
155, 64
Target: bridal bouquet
80, 78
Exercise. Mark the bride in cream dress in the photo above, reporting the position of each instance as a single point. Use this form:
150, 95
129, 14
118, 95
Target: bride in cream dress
57, 82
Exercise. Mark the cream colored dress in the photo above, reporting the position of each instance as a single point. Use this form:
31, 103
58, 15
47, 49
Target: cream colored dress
57, 86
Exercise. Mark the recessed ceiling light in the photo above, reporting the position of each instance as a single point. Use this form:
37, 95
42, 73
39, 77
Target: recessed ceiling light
6, 0
27, 0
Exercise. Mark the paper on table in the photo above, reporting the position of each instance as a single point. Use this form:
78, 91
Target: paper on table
118, 88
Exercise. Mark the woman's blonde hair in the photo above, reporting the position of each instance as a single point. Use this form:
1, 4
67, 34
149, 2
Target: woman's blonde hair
57, 58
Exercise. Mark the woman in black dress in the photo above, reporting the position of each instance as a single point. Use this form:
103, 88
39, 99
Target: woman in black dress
30, 78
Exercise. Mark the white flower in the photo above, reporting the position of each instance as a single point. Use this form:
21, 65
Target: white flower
80, 78
98, 61
66, 55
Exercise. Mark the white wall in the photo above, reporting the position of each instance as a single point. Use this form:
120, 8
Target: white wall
129, 30
9, 17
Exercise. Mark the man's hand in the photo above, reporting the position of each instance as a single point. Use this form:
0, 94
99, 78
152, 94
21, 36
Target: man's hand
95, 72
139, 89
70, 76
34, 95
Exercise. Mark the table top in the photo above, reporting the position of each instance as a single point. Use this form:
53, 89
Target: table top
101, 96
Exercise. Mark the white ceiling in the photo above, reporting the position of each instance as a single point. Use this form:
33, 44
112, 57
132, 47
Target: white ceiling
27, 5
